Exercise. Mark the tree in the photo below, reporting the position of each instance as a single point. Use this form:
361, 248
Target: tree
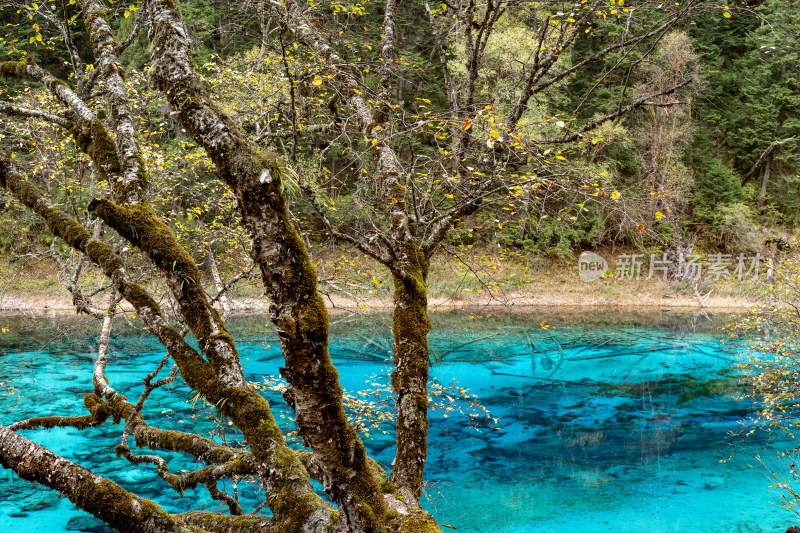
770, 368
476, 148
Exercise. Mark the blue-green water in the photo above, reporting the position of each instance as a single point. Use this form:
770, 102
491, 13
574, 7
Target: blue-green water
613, 423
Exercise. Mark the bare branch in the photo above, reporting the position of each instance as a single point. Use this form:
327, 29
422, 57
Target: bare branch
19, 111
374, 253
101, 386
643, 101
22, 70
452, 92
313, 128
767, 152
137, 27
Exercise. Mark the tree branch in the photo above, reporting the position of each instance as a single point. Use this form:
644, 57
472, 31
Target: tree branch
645, 100
19, 111
766, 153
289, 278
133, 174
101, 497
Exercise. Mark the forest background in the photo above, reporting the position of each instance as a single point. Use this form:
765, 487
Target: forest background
708, 167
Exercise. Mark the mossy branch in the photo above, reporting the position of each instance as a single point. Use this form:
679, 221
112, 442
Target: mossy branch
101, 497
132, 182
215, 523
99, 413
76, 236
140, 226
90, 135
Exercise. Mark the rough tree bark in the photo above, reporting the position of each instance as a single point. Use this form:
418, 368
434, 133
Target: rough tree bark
289, 278
101, 497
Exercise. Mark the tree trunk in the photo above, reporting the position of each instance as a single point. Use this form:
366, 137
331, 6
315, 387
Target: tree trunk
410, 378
212, 264
289, 277
762, 197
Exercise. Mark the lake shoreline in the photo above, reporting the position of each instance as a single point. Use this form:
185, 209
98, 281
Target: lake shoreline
37, 304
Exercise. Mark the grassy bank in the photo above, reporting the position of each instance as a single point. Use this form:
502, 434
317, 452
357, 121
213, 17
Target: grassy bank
475, 277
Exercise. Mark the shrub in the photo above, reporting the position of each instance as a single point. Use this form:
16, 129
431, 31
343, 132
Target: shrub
734, 225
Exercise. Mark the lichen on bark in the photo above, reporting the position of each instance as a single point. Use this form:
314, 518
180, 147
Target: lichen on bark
410, 327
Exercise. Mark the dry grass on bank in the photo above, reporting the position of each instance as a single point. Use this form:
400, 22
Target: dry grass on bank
469, 278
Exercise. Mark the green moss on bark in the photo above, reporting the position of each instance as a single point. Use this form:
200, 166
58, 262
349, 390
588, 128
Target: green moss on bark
410, 327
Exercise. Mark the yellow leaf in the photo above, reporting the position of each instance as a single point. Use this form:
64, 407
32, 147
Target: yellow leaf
727, 15
317, 81
659, 215
615, 195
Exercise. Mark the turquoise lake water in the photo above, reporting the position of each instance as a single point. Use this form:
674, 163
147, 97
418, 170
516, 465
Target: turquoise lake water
604, 423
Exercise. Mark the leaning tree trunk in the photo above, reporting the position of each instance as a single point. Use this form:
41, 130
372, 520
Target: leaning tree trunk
297, 310
762, 197
101, 497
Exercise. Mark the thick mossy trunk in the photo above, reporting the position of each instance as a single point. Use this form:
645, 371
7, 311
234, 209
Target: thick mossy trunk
410, 378
297, 309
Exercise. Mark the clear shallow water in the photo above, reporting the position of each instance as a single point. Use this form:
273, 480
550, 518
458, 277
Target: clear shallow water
613, 423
